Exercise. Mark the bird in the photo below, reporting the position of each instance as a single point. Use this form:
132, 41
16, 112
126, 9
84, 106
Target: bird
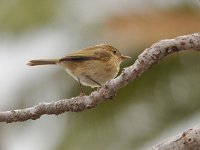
92, 66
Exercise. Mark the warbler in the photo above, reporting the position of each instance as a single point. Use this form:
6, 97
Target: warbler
92, 66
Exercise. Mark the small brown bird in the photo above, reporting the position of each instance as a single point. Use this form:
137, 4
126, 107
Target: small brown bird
92, 66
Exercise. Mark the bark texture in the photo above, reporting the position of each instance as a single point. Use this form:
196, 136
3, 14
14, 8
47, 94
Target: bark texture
144, 61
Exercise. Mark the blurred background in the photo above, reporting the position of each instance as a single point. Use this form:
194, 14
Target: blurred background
161, 103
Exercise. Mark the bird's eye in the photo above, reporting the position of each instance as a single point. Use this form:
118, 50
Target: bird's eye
114, 52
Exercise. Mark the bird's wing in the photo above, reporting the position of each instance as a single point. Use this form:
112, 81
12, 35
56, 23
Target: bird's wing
81, 55
77, 58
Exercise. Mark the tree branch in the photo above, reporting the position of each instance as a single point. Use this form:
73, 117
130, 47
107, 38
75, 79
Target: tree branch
144, 61
188, 140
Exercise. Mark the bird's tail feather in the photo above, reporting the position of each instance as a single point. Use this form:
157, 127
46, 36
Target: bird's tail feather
42, 62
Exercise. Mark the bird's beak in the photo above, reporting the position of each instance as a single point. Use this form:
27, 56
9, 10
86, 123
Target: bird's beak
125, 57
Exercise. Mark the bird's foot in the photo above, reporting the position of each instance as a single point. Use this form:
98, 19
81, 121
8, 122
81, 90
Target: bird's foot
82, 93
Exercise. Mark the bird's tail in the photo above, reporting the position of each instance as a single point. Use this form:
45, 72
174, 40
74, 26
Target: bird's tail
42, 62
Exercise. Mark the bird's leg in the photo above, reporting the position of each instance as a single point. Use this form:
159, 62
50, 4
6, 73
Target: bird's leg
81, 88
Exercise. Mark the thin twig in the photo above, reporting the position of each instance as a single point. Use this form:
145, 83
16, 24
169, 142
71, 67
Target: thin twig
144, 61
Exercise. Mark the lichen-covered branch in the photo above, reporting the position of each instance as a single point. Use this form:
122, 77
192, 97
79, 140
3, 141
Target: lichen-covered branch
144, 61
188, 140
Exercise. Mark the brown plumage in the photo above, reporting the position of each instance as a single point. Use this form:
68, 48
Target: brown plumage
92, 66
